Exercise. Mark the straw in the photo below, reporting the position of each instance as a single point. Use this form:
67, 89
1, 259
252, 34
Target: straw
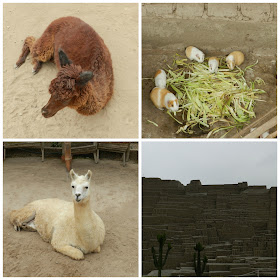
155, 124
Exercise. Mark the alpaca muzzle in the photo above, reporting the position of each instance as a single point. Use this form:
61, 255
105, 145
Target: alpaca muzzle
78, 199
53, 106
46, 113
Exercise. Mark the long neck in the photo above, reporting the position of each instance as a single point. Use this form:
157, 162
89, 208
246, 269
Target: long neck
82, 214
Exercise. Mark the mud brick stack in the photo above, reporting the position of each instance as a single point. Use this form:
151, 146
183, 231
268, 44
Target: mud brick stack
236, 224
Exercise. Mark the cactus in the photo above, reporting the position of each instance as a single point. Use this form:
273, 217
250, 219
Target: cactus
197, 261
159, 262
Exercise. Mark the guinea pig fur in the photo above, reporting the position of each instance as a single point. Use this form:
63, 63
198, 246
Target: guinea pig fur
213, 64
162, 98
194, 53
234, 58
160, 78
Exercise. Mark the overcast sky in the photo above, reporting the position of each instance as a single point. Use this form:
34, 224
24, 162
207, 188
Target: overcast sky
211, 162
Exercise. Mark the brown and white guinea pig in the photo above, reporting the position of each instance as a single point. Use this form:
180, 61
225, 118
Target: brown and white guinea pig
160, 78
194, 53
213, 64
163, 98
234, 58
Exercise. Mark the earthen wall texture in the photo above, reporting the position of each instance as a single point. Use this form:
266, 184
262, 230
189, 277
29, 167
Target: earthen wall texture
236, 224
261, 12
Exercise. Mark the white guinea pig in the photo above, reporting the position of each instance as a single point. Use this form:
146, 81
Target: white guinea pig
162, 98
213, 64
160, 78
194, 53
234, 58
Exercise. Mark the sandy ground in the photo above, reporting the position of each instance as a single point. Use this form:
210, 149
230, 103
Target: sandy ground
114, 198
25, 94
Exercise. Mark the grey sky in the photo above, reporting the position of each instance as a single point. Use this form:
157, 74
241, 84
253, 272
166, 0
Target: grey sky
212, 162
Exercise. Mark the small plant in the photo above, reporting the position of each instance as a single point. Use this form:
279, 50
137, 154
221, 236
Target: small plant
197, 260
159, 262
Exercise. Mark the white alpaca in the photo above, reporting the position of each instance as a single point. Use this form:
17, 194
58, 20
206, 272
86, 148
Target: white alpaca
72, 228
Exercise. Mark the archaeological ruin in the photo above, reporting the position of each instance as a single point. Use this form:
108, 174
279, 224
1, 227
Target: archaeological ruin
235, 223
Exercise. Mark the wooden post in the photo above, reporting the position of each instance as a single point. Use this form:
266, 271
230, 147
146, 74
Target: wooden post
128, 151
43, 150
67, 155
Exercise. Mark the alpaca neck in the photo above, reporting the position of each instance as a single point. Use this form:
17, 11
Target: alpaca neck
82, 214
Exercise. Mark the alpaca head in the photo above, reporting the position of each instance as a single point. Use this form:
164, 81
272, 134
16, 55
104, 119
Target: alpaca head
68, 85
80, 186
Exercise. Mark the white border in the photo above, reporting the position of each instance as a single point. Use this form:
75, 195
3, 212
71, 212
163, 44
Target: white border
139, 140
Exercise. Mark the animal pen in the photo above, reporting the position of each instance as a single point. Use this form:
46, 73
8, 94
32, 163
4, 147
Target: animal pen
67, 149
34, 171
217, 30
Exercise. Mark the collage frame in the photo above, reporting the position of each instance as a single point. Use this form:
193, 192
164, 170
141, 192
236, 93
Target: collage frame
140, 140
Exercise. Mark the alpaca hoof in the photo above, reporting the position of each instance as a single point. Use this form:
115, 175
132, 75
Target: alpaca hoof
34, 72
16, 228
78, 256
97, 250
16, 66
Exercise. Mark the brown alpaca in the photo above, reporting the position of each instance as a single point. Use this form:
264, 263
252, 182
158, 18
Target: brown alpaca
85, 79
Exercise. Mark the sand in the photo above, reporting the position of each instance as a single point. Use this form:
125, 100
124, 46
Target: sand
25, 94
114, 198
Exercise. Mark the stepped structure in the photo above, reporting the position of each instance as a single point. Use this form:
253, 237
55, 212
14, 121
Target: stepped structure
235, 223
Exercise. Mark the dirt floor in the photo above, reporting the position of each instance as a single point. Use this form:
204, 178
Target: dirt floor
26, 94
114, 198
162, 39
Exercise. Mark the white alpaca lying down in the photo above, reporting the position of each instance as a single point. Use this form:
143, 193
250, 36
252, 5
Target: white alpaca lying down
72, 228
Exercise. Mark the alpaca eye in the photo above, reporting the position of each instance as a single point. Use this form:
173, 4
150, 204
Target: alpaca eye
73, 187
86, 187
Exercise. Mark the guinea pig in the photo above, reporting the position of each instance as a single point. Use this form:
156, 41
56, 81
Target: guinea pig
194, 53
213, 64
234, 58
160, 78
162, 98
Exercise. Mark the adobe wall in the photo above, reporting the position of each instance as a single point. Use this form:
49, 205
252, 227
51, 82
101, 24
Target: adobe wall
236, 223
261, 12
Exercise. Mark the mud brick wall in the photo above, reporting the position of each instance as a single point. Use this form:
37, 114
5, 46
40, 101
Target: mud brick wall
266, 12
212, 27
236, 224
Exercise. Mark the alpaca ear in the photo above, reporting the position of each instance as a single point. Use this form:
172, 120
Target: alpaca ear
88, 175
63, 59
73, 175
84, 77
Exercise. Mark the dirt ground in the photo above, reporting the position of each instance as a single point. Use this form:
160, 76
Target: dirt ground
163, 38
26, 94
114, 198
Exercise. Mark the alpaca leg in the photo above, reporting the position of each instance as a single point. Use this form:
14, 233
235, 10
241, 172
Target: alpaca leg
30, 226
42, 51
37, 67
70, 251
60, 244
23, 218
27, 46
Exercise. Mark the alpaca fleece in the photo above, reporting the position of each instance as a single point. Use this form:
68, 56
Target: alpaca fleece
83, 52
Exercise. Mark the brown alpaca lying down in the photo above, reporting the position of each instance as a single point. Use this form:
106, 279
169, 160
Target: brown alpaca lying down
85, 79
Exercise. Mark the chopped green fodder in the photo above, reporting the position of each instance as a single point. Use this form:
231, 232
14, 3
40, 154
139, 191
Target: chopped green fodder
205, 99
155, 124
